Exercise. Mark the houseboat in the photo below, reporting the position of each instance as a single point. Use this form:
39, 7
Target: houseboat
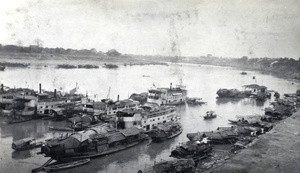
97, 141
252, 90
146, 117
167, 96
165, 131
255, 90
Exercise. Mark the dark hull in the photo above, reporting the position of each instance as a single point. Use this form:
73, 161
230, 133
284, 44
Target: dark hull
210, 117
57, 167
14, 121
60, 128
164, 138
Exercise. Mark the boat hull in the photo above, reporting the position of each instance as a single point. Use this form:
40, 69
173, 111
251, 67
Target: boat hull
164, 138
57, 167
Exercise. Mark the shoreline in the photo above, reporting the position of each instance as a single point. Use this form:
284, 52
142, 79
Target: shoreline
275, 151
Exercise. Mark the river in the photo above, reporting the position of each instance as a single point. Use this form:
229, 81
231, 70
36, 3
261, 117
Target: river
201, 81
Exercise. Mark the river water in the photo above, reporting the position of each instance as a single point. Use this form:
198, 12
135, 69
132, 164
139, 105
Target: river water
201, 81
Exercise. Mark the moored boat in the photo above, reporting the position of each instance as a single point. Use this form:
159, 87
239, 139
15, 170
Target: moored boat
178, 165
61, 166
165, 131
97, 141
25, 144
192, 150
195, 101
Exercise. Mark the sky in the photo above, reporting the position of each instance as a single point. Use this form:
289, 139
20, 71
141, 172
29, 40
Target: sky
231, 28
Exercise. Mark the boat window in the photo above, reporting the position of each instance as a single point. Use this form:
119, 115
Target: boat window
158, 119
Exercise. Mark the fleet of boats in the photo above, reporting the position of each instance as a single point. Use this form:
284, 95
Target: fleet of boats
102, 128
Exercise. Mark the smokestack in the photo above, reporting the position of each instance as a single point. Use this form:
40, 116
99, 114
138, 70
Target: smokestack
54, 93
118, 98
40, 88
170, 85
2, 87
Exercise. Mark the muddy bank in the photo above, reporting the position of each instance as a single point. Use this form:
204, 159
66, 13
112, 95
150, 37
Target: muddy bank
276, 151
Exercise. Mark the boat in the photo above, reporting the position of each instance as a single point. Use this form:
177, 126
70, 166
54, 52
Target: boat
146, 117
210, 115
18, 120
111, 66
72, 164
178, 165
97, 141
192, 150
239, 122
168, 96
25, 144
231, 93
165, 131
243, 73
221, 136
252, 90
195, 101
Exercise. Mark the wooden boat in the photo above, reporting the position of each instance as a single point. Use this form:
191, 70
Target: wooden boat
97, 141
239, 122
210, 115
195, 101
60, 128
17, 120
194, 150
178, 165
57, 167
25, 144
165, 131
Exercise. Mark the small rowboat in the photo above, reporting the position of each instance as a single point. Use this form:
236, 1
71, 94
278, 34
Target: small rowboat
210, 115
57, 167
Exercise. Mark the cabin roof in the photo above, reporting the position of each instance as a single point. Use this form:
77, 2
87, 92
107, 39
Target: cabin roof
212, 135
113, 137
130, 131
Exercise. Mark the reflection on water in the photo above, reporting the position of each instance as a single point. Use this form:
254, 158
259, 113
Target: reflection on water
220, 101
201, 82
19, 155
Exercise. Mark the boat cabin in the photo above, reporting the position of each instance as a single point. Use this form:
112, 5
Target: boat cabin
254, 89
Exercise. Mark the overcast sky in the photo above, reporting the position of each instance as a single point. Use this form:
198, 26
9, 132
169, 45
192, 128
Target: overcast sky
227, 28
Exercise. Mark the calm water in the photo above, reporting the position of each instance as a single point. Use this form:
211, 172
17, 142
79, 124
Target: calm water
201, 81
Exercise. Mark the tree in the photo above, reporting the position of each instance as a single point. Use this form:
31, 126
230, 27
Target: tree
39, 42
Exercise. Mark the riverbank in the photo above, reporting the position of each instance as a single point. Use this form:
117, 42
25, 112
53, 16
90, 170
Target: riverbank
276, 151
